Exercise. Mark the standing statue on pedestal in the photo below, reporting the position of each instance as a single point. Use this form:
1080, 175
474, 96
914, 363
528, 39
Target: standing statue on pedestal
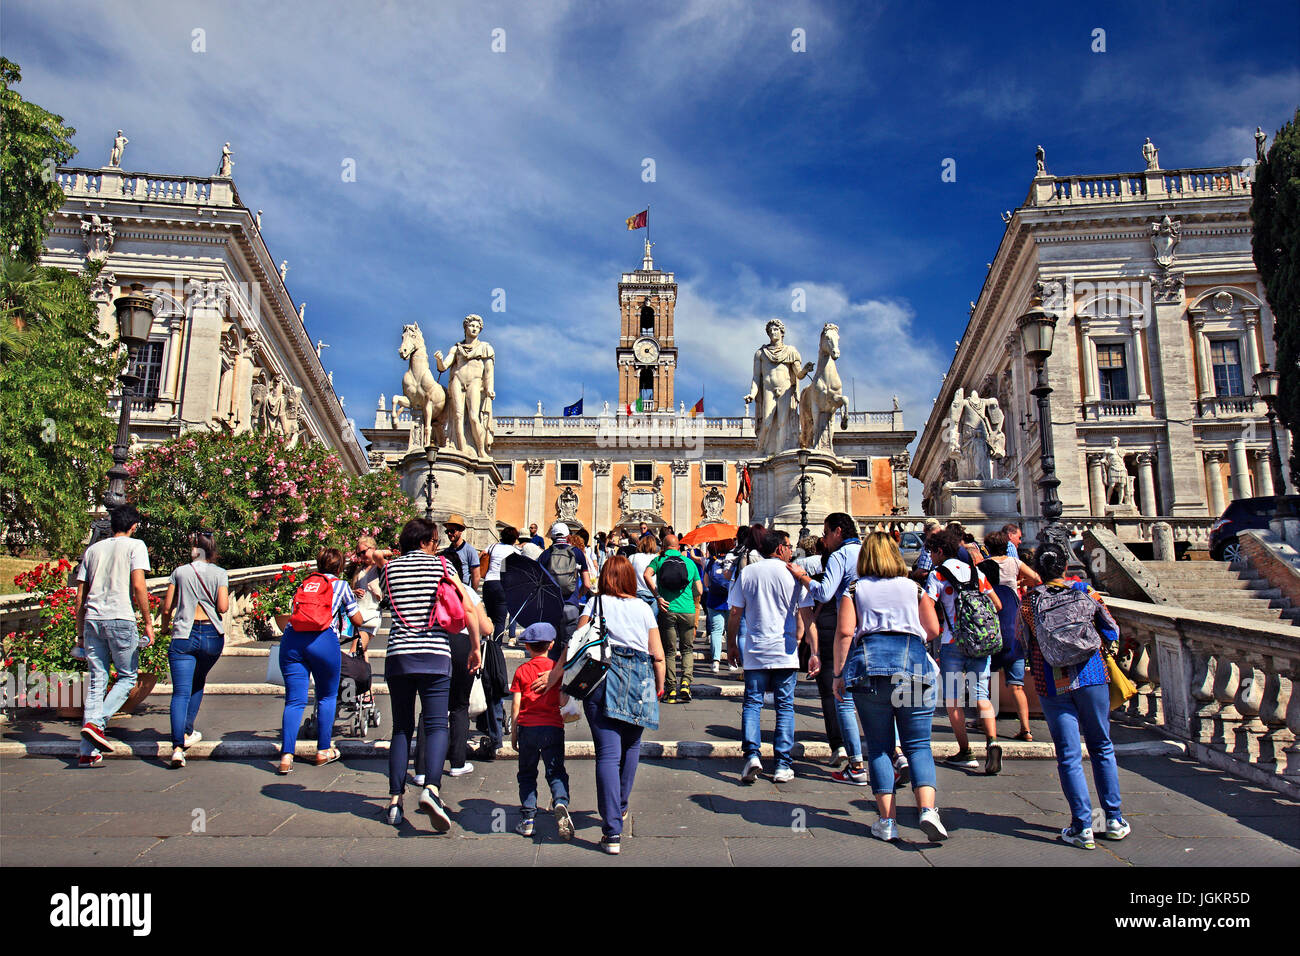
823, 396
470, 390
774, 389
975, 437
420, 390
115, 154
1119, 484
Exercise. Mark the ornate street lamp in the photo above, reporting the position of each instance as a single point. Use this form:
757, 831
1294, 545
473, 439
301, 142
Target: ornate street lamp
802, 455
134, 321
1037, 331
1267, 381
430, 482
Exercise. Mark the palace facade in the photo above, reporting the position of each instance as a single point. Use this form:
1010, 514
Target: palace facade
1162, 324
660, 464
228, 348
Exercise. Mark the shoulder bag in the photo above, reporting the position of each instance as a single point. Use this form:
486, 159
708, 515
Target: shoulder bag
588, 660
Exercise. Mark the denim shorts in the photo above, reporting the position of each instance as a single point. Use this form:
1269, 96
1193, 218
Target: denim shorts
965, 680
1015, 673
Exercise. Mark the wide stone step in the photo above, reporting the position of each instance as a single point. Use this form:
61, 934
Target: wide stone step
1210, 598
1227, 582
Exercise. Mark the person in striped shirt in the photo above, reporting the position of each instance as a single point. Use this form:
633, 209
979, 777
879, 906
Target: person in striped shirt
418, 663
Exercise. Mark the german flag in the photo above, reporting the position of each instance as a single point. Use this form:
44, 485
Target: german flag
639, 221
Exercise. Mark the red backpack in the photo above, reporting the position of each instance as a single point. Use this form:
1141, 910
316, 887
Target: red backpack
313, 604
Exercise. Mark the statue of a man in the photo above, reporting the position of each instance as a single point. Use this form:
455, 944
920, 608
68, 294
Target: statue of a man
975, 435
115, 154
1116, 475
470, 390
777, 370
1151, 154
226, 161
1261, 144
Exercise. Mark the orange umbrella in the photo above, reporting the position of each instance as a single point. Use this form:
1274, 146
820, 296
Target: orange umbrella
709, 532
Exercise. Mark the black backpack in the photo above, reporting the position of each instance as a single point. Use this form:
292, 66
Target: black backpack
672, 576
496, 678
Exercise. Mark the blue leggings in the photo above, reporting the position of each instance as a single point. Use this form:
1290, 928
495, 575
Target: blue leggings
618, 751
191, 658
317, 654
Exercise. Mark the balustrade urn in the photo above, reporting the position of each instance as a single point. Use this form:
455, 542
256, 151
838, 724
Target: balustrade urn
1273, 743
1249, 697
1204, 667
1227, 680
1292, 750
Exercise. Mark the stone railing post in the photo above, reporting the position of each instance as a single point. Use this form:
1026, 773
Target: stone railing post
1204, 667
1278, 689
1248, 699
1227, 679
1290, 768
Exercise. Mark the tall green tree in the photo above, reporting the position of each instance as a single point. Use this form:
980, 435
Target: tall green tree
56, 370
1276, 214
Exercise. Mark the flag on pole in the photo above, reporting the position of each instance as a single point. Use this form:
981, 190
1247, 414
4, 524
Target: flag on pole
575, 409
639, 406
640, 220
698, 408
746, 491
629, 410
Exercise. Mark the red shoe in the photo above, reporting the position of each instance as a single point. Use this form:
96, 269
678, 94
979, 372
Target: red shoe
86, 762
95, 735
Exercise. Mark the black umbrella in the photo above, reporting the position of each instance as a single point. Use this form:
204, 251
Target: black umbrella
532, 595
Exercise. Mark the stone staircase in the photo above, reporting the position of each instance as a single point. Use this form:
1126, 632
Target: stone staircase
1223, 589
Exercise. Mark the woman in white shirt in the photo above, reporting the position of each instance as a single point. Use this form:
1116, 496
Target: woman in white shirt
646, 551
491, 564
880, 658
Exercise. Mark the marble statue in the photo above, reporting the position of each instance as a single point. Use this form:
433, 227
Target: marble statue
470, 390
566, 505
322, 344
606, 410
1164, 240
261, 396
975, 437
226, 162
284, 268
258, 221
115, 154
1151, 154
1040, 155
1119, 484
712, 504
823, 396
420, 390
774, 390
302, 312
1261, 144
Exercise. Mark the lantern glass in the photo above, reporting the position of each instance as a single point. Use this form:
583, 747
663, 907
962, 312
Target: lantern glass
803, 457
1037, 332
1266, 383
430, 454
134, 316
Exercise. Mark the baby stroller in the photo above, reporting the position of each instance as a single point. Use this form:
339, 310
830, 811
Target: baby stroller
356, 707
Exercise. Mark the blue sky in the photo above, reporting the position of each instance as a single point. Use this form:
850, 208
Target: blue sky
478, 170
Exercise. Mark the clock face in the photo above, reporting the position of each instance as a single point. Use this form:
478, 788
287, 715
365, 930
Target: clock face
646, 351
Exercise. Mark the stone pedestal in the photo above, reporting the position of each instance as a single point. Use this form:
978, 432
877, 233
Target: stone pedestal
466, 486
776, 490
981, 505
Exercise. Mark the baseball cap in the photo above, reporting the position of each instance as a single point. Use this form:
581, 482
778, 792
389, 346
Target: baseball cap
559, 530
539, 633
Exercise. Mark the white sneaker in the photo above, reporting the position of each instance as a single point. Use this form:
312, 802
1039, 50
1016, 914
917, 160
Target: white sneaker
753, 767
419, 780
732, 670
838, 759
717, 666
783, 775
885, 830
431, 806
932, 825
1117, 829
460, 771
178, 758
192, 739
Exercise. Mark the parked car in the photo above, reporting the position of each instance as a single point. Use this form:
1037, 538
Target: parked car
910, 546
1244, 514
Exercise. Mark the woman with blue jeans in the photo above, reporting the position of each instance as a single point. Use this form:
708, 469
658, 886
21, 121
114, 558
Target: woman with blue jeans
1076, 703
880, 658
715, 599
315, 653
199, 595
627, 701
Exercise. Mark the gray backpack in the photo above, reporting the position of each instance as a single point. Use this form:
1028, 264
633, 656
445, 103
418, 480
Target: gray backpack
564, 568
1064, 626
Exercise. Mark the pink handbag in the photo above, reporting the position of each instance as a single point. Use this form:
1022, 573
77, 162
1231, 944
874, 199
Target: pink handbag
448, 609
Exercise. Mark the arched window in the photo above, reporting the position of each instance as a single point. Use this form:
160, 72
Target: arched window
647, 320
647, 387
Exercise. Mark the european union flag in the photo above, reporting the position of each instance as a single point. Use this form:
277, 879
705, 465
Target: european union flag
575, 409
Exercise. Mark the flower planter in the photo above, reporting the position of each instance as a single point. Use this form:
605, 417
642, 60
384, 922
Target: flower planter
144, 685
282, 621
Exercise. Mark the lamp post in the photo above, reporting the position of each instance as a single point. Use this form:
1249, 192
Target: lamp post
430, 482
134, 312
1037, 330
1267, 381
802, 455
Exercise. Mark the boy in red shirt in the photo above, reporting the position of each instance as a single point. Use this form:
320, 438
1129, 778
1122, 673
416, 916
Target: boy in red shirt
537, 731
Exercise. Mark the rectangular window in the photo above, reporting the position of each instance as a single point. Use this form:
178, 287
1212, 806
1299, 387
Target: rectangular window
507, 471
1225, 356
1112, 373
715, 472
569, 471
149, 368
642, 472
862, 468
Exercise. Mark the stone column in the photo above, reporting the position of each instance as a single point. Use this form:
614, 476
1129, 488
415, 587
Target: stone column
683, 520
1146, 483
1214, 482
1201, 348
1252, 348
1264, 472
1240, 470
1091, 386
600, 496
535, 495
1097, 483
203, 377
1139, 358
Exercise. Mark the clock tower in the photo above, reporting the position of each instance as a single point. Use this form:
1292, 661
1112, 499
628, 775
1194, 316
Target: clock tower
646, 353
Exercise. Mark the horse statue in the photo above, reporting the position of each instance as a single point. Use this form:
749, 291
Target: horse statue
823, 395
420, 390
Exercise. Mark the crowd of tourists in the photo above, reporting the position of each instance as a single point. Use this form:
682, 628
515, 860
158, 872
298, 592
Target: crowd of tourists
886, 644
